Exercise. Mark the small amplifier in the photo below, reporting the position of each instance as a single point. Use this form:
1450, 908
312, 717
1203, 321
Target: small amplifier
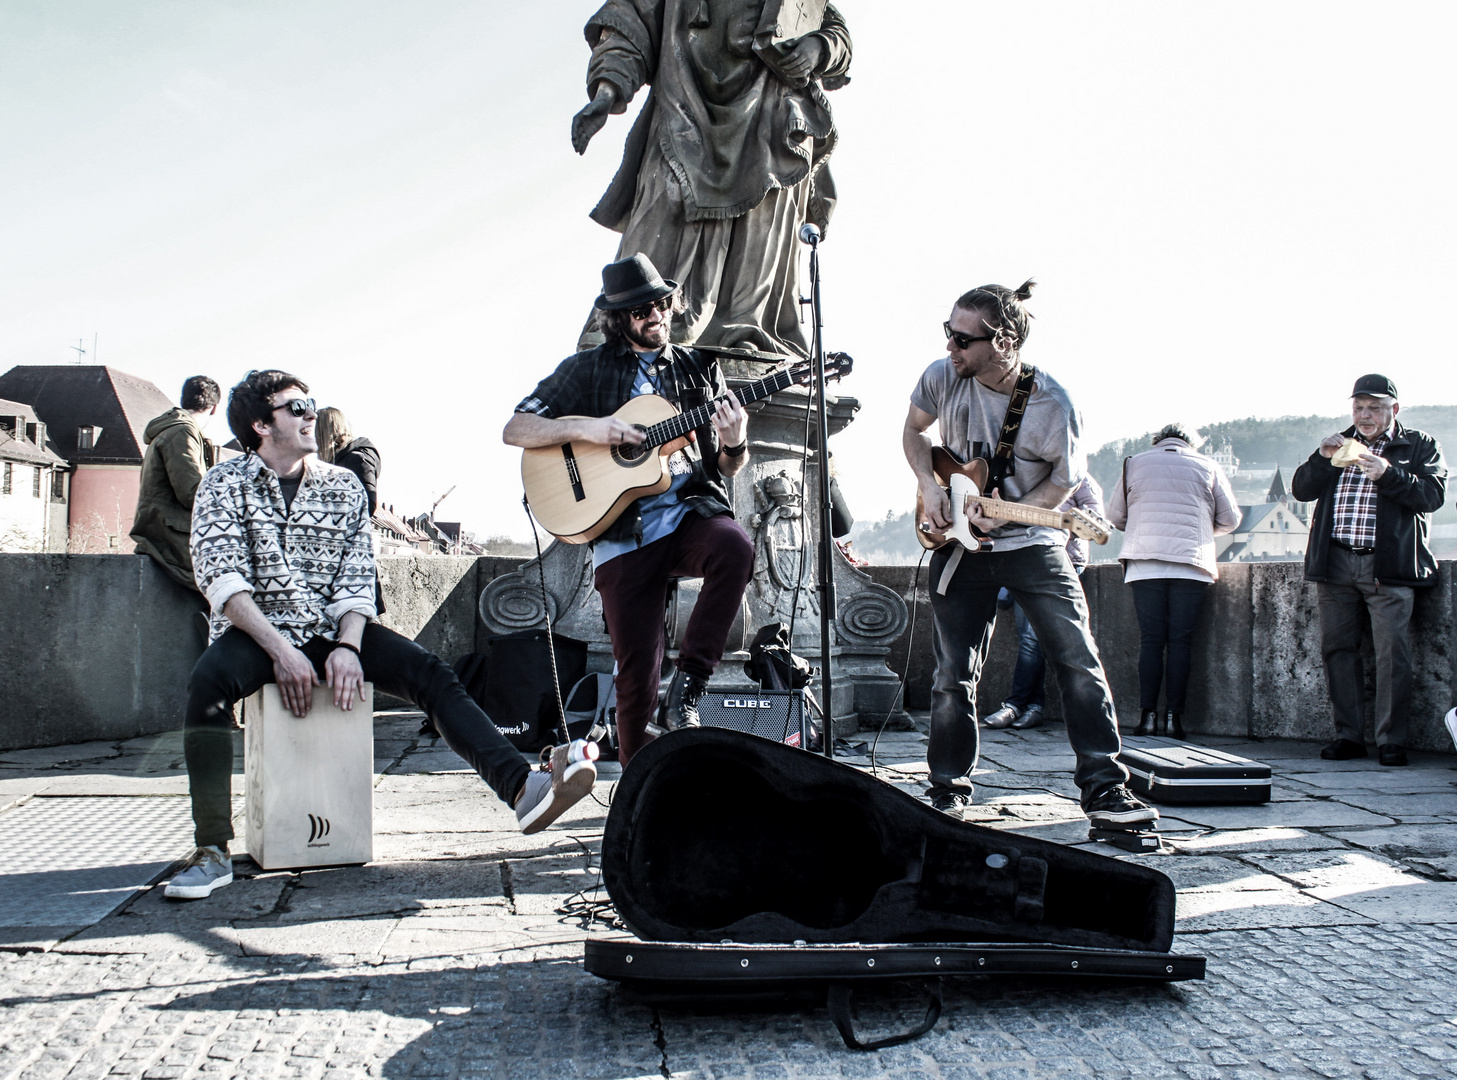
770, 714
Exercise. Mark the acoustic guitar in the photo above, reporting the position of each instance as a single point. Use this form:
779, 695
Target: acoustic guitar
967, 481
577, 490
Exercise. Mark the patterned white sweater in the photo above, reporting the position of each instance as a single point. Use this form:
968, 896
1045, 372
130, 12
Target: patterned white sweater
306, 567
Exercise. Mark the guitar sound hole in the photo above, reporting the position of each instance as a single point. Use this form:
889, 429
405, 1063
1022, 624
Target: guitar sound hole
629, 454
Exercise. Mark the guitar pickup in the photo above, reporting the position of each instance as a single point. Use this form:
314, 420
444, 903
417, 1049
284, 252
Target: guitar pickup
573, 473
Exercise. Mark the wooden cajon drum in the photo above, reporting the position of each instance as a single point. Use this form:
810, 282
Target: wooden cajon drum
309, 781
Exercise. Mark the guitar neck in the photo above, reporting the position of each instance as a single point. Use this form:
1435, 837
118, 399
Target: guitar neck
676, 427
1026, 515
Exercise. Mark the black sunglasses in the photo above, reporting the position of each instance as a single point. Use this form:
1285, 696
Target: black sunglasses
662, 303
299, 406
963, 341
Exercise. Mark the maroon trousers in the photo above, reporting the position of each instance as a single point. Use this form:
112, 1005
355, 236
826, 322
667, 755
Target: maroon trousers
634, 589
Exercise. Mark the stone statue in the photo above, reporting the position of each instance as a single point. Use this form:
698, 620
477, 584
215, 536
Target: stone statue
727, 158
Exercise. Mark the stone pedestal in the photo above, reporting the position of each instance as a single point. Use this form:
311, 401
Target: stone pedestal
769, 502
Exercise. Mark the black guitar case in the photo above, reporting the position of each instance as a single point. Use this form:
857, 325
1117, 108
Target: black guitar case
717, 840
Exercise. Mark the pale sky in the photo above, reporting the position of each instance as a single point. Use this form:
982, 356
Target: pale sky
1232, 209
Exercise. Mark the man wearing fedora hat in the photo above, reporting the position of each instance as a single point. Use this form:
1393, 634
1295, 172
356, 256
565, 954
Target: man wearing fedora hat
1375, 486
686, 531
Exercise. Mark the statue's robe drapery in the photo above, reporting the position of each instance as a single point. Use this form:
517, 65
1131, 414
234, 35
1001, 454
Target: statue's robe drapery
723, 164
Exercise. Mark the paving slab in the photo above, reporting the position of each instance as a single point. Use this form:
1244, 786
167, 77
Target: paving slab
1247, 905
1263, 838
1306, 814
1424, 808
1402, 841
1411, 901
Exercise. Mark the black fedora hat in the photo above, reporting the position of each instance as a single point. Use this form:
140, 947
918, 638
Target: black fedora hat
630, 283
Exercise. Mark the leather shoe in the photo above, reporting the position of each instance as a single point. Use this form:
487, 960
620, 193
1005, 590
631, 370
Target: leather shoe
1147, 722
1343, 750
1174, 725
1002, 718
1391, 754
1029, 718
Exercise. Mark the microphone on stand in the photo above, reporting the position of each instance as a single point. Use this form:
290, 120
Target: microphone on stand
809, 233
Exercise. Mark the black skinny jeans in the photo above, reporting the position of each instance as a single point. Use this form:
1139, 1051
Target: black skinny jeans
235, 666
1168, 611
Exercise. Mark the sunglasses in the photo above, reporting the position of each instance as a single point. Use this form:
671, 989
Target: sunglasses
299, 406
662, 303
963, 341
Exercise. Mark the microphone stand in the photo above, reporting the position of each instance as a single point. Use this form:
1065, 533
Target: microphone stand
826, 586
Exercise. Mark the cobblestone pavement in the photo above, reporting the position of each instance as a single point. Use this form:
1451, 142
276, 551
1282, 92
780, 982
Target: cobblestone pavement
1329, 919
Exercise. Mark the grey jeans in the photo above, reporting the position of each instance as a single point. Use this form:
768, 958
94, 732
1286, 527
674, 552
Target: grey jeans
1351, 591
1042, 581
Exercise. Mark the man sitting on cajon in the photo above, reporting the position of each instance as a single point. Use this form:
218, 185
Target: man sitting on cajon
281, 548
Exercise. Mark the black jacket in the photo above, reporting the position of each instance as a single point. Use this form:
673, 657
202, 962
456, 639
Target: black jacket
598, 382
1413, 486
362, 459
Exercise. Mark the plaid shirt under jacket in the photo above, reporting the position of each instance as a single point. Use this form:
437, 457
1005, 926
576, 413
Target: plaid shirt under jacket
1354, 505
598, 382
306, 566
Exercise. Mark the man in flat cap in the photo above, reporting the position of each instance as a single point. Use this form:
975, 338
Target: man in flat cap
687, 530
1376, 485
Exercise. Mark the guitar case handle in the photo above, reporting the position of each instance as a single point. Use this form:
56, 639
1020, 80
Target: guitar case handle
837, 1001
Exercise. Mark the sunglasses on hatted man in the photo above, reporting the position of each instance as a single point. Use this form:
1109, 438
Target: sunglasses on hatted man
963, 341
299, 406
662, 303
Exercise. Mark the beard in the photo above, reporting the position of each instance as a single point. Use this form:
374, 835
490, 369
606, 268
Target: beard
657, 338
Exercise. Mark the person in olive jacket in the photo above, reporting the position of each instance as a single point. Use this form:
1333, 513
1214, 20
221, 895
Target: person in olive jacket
1375, 485
178, 455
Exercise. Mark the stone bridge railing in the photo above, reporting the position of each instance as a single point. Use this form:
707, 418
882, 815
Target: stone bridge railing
98, 647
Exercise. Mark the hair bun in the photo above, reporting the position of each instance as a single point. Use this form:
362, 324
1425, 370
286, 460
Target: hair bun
1024, 290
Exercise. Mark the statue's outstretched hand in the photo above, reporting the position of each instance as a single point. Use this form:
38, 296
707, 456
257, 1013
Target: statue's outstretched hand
590, 120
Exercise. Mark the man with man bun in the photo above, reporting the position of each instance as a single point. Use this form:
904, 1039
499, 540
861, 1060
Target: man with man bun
1375, 486
970, 393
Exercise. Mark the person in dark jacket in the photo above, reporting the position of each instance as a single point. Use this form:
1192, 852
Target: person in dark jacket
687, 530
1375, 485
178, 455
338, 446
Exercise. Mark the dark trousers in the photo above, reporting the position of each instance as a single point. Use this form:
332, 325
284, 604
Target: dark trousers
1029, 677
1167, 610
1042, 580
634, 588
1350, 594
235, 666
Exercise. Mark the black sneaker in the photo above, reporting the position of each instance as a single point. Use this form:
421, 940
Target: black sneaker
1118, 808
680, 709
951, 803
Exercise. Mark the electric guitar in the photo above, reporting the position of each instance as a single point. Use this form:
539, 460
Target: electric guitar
577, 490
967, 481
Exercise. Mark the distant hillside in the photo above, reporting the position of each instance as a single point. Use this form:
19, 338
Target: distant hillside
1285, 441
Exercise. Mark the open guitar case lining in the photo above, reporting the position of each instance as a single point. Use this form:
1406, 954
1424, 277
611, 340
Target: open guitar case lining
744, 864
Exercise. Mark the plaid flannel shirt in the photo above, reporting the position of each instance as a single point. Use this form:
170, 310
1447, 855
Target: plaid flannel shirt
306, 566
598, 382
1354, 505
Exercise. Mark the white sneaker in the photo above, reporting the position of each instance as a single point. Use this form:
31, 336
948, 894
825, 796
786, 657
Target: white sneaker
211, 869
565, 778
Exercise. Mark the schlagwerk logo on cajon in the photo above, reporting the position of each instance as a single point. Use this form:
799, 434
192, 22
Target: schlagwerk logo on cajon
318, 829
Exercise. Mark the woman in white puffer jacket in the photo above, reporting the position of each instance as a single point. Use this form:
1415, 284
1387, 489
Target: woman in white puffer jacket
1170, 503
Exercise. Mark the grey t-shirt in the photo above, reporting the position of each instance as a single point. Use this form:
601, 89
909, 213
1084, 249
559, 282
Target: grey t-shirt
970, 416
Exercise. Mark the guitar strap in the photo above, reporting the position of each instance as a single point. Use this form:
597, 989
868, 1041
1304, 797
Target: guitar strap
1000, 463
1001, 460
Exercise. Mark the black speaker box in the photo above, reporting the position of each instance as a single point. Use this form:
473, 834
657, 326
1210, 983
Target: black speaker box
770, 714
716, 835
